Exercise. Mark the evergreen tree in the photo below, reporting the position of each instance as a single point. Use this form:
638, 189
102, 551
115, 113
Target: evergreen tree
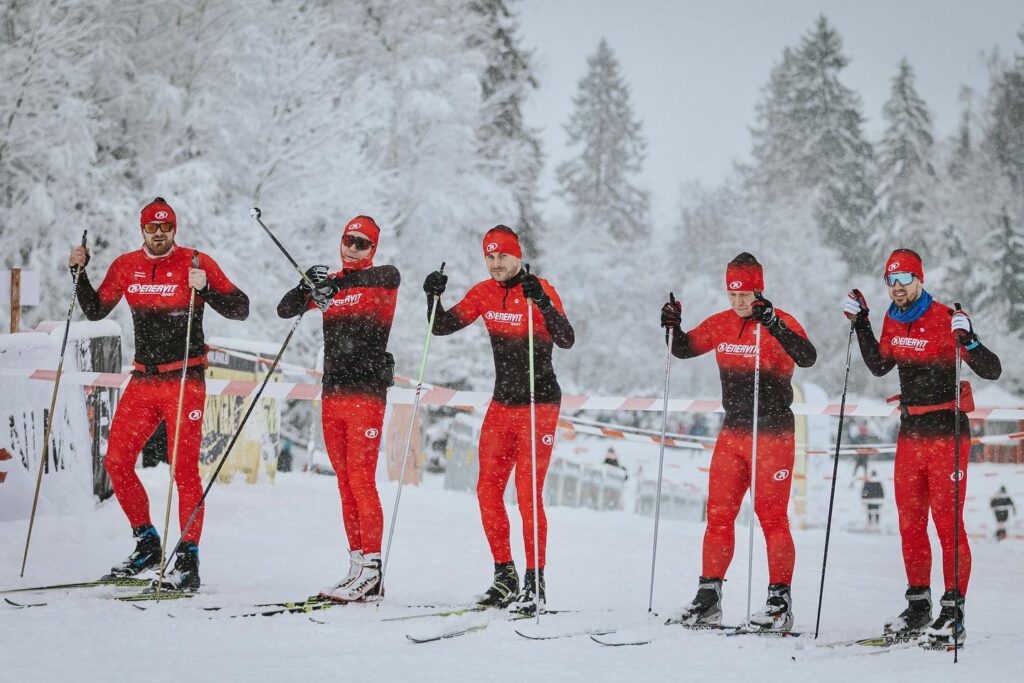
598, 182
1006, 289
809, 140
907, 175
513, 148
1006, 133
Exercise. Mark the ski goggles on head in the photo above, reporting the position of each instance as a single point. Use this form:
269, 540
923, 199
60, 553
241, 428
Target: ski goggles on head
893, 279
151, 228
356, 242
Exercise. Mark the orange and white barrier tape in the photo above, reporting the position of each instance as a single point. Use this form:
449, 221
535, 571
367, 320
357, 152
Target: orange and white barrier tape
478, 400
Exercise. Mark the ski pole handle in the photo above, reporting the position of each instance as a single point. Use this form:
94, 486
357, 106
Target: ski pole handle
960, 336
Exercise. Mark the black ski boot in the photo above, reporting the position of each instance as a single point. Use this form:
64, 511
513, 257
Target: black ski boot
146, 555
503, 591
185, 575
950, 622
777, 614
916, 616
529, 599
706, 608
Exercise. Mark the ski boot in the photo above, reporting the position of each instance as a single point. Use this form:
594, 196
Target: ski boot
706, 608
950, 623
146, 555
777, 614
503, 591
915, 617
185, 575
364, 586
530, 599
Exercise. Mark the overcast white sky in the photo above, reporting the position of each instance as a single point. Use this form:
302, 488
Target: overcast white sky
696, 67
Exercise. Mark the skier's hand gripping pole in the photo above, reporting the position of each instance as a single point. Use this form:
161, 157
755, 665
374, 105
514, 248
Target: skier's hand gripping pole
835, 470
53, 405
669, 333
177, 425
408, 436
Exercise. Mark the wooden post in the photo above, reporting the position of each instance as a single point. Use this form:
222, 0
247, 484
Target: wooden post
15, 299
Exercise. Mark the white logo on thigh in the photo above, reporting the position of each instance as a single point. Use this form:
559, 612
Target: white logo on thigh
959, 474
780, 475
195, 415
371, 433
548, 439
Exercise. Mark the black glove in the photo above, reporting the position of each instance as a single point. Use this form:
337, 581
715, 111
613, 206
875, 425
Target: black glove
672, 314
764, 312
532, 289
855, 306
316, 274
435, 282
323, 288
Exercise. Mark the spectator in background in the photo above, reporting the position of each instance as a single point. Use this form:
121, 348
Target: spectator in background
612, 458
873, 495
1001, 506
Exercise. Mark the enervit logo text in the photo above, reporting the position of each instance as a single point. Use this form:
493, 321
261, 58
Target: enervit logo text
909, 343
503, 317
737, 349
162, 290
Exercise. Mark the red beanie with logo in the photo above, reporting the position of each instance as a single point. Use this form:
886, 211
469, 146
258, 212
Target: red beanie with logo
501, 239
367, 227
158, 211
904, 261
744, 274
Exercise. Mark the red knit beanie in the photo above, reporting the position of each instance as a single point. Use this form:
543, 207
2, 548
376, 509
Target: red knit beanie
158, 211
501, 239
904, 261
744, 274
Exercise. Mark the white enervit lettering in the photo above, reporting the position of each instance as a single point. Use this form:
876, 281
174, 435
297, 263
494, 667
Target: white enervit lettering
909, 343
514, 318
162, 290
348, 300
741, 349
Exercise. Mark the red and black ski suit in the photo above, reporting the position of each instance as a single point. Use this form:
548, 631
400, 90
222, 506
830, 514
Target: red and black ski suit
157, 292
924, 351
505, 434
732, 338
357, 373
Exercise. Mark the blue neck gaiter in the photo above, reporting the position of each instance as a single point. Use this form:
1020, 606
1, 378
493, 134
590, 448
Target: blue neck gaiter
914, 312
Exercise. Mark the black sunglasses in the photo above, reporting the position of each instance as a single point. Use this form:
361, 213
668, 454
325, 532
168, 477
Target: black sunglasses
360, 243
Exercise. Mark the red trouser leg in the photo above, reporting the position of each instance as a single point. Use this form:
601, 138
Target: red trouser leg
497, 458
546, 419
136, 418
728, 482
925, 480
190, 435
352, 426
504, 445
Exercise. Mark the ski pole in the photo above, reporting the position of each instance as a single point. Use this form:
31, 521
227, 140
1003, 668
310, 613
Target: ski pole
753, 469
408, 436
177, 424
234, 437
835, 473
53, 405
533, 459
255, 212
661, 457
957, 522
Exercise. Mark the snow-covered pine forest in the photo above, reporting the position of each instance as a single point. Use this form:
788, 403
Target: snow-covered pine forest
414, 113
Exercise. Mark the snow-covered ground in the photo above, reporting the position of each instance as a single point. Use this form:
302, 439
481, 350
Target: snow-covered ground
283, 541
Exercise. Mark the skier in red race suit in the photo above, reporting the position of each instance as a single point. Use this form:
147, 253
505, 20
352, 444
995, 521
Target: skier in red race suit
358, 305
731, 334
919, 338
505, 435
157, 281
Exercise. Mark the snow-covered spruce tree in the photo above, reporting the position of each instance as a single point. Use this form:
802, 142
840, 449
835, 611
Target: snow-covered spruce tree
906, 173
1006, 291
513, 149
595, 257
809, 136
598, 182
1005, 135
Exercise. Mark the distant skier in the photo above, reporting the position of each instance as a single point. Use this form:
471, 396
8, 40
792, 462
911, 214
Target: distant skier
358, 305
784, 344
611, 458
505, 435
156, 280
873, 495
1002, 504
919, 337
